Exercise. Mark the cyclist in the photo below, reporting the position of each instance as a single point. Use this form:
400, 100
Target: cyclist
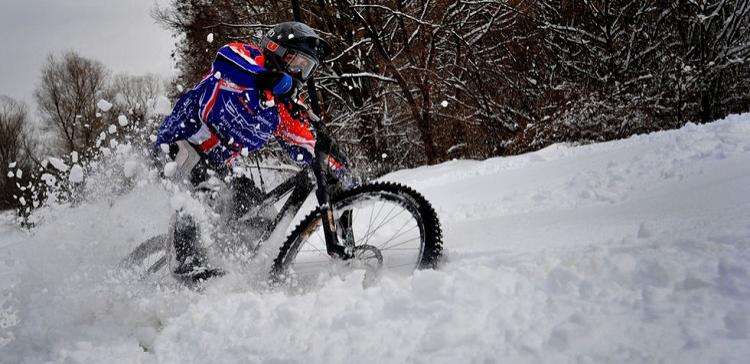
249, 95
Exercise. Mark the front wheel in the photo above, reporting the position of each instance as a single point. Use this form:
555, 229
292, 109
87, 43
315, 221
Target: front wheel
387, 226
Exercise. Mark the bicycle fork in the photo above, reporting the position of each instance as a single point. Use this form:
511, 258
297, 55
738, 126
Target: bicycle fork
333, 247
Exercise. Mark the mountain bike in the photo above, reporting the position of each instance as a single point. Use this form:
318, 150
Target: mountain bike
379, 226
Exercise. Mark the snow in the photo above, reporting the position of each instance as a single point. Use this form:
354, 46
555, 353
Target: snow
210, 37
170, 169
76, 174
162, 106
58, 164
104, 105
122, 120
48, 179
444, 103
630, 251
112, 129
130, 168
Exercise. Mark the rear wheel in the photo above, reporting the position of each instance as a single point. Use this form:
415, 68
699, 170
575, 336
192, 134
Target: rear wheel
385, 227
149, 258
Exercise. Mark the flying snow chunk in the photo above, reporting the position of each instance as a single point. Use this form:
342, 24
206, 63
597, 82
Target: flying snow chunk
122, 120
74, 157
76, 174
19, 173
291, 36
104, 105
22, 201
162, 106
130, 168
10, 174
210, 37
444, 103
170, 169
58, 164
12, 165
112, 129
180, 88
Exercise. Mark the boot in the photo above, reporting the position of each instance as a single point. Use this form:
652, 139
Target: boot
192, 264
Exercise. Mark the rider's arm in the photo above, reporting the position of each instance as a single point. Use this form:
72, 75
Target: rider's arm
295, 137
182, 123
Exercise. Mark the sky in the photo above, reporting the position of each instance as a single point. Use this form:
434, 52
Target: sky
119, 33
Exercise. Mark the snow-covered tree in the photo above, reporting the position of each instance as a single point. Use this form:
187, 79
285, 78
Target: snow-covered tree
14, 164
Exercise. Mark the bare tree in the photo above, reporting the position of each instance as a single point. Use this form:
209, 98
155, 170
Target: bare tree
134, 97
67, 96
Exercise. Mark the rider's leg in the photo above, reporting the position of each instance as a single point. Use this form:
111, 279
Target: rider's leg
192, 263
191, 260
186, 235
245, 195
246, 224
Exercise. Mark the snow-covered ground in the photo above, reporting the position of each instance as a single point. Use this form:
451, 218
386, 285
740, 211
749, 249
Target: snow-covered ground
630, 251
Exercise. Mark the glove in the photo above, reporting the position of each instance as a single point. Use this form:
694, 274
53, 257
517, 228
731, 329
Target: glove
281, 85
284, 85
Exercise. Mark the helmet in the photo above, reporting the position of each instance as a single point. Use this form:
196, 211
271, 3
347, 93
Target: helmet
294, 48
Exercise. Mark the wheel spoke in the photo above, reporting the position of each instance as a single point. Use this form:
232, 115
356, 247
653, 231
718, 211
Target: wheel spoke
367, 238
307, 262
401, 243
395, 234
401, 265
370, 223
317, 233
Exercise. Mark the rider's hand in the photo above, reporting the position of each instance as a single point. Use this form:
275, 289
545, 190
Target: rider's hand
281, 85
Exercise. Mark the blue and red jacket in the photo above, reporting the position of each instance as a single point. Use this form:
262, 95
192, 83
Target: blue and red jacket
227, 112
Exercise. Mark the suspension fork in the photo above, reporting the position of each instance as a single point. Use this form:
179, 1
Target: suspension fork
333, 247
323, 145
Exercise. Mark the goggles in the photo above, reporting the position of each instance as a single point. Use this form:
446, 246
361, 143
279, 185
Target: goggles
300, 63
296, 62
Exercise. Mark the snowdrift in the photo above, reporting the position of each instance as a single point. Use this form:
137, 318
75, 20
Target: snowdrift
630, 251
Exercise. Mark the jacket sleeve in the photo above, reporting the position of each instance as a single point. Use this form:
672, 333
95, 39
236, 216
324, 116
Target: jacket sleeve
295, 137
183, 122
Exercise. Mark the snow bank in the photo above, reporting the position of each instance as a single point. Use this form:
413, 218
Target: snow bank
629, 251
